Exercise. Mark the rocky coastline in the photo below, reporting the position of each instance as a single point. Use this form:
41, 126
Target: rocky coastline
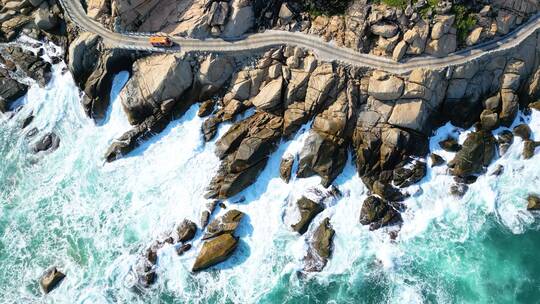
382, 119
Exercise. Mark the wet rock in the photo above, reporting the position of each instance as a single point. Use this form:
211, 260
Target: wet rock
535, 105
505, 140
529, 148
224, 224
10, 90
51, 279
436, 160
459, 190
533, 202
27, 121
407, 175
206, 108
467, 180
209, 128
450, 145
183, 249
130, 140
244, 151
320, 247
49, 142
378, 213
285, 168
215, 251
321, 156
489, 120
186, 231
308, 210
523, 131
499, 170
478, 151
30, 64
387, 191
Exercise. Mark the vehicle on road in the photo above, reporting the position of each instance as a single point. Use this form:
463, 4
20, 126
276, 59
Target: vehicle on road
161, 41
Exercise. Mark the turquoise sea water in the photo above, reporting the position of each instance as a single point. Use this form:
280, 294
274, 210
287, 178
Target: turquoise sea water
92, 219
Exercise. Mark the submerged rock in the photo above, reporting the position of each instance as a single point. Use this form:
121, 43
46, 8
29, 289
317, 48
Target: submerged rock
51, 279
529, 148
215, 251
308, 211
320, 247
49, 142
505, 140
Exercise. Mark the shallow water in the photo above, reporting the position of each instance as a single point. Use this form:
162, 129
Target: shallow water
92, 219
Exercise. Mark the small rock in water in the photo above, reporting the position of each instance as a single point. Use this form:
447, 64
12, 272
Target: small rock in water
51, 279
459, 190
308, 209
523, 131
222, 205
450, 145
49, 142
285, 168
206, 108
436, 160
533, 202
498, 171
529, 148
505, 140
27, 121
186, 231
183, 249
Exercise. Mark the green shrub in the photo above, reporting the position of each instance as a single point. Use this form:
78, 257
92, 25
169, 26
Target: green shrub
326, 7
465, 22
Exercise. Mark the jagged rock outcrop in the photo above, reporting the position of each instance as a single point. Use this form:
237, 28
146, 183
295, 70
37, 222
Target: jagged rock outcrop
320, 247
377, 213
307, 210
155, 79
477, 152
93, 68
220, 240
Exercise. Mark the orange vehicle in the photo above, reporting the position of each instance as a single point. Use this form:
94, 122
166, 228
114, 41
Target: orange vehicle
160, 41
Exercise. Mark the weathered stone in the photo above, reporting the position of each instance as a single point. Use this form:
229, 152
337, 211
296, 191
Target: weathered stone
285, 168
320, 247
186, 231
523, 131
477, 152
389, 88
378, 213
224, 224
436, 160
51, 279
308, 210
49, 142
215, 251
450, 145
533, 202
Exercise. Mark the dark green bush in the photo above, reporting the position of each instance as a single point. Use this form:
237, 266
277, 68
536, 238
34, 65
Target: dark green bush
327, 7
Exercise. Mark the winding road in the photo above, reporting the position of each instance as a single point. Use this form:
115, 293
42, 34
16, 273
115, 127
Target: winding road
324, 50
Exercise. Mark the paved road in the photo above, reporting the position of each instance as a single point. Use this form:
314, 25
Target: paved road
324, 50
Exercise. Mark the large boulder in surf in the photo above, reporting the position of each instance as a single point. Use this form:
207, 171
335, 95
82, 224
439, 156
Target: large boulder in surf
10, 90
308, 210
478, 151
244, 151
533, 202
186, 231
51, 279
378, 213
155, 79
30, 64
320, 247
93, 68
215, 251
285, 168
224, 224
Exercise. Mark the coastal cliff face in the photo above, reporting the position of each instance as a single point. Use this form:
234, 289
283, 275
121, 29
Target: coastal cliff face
382, 119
